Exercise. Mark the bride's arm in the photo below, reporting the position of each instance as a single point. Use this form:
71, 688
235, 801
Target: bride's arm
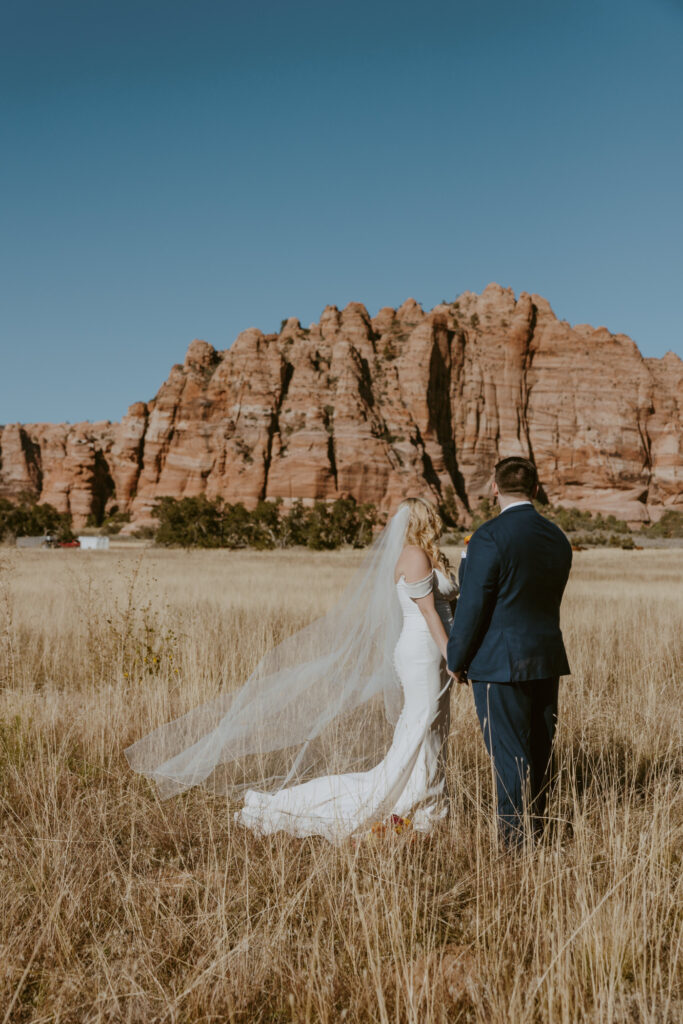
433, 620
415, 567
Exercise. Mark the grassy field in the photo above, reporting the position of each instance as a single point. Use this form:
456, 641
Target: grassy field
115, 907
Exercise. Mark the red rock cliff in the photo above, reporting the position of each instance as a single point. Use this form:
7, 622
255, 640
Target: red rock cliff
407, 402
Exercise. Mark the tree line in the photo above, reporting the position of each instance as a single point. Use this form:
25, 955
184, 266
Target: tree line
214, 523
27, 518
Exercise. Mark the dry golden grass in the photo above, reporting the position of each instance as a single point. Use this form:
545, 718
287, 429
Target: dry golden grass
115, 907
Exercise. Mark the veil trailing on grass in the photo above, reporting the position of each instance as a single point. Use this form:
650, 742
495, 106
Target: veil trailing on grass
322, 701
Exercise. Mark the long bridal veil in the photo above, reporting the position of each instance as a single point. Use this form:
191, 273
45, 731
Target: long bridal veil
323, 701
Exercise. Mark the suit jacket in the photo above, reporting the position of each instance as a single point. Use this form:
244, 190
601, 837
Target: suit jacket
507, 621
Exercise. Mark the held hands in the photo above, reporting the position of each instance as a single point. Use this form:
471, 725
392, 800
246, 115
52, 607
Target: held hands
459, 677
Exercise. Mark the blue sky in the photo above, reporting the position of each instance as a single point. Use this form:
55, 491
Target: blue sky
177, 170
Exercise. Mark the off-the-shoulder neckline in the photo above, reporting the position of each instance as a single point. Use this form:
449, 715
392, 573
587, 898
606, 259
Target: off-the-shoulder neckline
413, 583
446, 576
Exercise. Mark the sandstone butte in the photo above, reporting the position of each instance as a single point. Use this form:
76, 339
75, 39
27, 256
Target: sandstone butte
407, 402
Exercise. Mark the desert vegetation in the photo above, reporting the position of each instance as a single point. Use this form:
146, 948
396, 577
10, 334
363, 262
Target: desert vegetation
214, 523
198, 521
116, 907
26, 518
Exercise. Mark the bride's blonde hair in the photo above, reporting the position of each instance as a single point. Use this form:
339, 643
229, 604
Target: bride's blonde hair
425, 526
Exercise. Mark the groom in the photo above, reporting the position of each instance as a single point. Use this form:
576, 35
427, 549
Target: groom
506, 638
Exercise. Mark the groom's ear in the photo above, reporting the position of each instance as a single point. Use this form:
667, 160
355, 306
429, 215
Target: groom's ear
534, 493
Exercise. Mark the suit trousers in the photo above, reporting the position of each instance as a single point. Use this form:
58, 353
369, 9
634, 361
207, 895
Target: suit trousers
518, 723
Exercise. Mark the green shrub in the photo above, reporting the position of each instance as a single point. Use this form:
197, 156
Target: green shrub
194, 522
342, 522
27, 518
670, 525
452, 538
448, 507
213, 523
590, 540
264, 527
294, 526
486, 509
572, 519
145, 532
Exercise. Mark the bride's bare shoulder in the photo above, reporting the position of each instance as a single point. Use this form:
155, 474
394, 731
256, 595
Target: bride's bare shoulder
413, 563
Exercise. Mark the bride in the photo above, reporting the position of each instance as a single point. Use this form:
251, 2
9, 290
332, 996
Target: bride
326, 697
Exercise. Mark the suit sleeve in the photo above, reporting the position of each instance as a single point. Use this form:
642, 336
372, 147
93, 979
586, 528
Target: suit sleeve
477, 598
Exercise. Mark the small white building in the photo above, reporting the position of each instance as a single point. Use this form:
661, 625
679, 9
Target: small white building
94, 543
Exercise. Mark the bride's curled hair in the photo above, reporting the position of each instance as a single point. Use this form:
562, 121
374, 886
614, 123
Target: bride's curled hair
424, 529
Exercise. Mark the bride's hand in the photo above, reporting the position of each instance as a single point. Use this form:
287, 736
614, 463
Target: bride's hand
460, 676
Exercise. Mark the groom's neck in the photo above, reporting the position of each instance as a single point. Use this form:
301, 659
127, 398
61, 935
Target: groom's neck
509, 499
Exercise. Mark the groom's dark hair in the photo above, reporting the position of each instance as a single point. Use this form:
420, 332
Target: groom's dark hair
516, 476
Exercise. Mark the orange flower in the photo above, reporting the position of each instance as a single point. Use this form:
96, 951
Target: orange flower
395, 823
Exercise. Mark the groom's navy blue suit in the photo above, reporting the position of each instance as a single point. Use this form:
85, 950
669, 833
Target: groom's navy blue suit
506, 636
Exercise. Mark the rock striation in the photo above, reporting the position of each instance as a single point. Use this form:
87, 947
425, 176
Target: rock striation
381, 407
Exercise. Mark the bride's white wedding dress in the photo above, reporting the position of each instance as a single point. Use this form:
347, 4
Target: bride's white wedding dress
410, 780
313, 714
